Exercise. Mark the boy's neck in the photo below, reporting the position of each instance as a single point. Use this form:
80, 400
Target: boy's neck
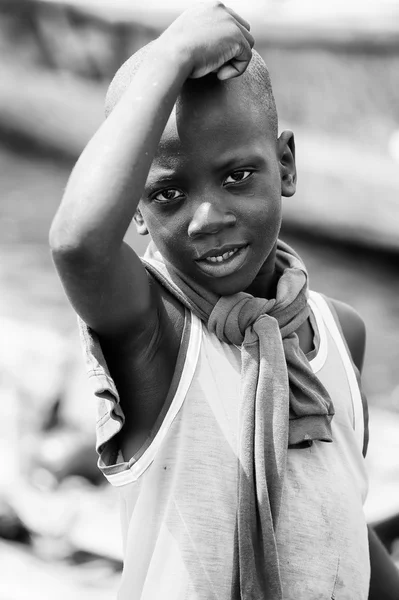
264, 285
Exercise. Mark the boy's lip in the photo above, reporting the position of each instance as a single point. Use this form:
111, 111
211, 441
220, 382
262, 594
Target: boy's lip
220, 251
226, 267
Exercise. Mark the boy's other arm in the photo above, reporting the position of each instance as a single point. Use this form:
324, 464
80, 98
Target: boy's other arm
384, 583
354, 331
103, 278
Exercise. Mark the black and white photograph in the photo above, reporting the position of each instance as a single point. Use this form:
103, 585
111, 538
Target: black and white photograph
199, 304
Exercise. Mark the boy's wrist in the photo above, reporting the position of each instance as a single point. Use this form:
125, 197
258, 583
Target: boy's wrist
172, 48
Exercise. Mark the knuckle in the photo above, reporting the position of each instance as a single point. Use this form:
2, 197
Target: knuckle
244, 48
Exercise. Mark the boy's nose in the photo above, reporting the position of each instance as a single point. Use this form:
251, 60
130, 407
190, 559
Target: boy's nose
210, 218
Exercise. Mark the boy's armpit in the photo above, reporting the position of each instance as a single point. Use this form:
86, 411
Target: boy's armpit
112, 295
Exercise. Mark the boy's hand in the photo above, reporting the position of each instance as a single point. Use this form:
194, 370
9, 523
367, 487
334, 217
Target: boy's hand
213, 38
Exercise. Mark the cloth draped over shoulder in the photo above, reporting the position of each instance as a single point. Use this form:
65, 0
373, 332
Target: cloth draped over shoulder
283, 404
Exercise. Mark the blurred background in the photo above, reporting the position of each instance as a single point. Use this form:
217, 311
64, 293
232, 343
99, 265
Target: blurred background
335, 70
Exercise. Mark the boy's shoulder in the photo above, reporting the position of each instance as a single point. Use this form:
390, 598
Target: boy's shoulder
353, 329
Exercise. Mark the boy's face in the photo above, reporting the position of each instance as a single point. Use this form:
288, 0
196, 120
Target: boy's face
212, 201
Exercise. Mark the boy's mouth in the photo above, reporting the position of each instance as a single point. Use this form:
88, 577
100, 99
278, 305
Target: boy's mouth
219, 263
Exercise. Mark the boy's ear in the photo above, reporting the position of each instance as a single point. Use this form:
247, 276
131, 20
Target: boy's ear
286, 154
140, 223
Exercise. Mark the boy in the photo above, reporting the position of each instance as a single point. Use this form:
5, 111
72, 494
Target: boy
217, 407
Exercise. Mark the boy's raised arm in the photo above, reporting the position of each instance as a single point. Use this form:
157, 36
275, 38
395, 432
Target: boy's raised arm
103, 278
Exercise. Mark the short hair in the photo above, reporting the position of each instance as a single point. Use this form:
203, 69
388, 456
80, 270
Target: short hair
256, 78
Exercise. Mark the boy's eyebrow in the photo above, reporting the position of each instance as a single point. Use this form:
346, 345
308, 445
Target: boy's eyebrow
236, 160
159, 175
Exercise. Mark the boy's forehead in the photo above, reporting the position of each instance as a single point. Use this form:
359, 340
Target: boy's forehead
198, 96
225, 109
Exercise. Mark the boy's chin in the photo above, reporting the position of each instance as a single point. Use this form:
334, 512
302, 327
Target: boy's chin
227, 286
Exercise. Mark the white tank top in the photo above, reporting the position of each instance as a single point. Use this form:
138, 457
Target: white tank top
178, 493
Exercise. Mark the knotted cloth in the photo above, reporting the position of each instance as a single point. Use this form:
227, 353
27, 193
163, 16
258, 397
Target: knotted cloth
282, 402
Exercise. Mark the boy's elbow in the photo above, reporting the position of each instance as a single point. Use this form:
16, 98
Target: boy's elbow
66, 245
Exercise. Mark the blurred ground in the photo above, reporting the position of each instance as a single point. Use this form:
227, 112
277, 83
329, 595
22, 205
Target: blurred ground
46, 580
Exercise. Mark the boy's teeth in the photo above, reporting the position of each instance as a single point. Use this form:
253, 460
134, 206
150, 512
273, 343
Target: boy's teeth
222, 257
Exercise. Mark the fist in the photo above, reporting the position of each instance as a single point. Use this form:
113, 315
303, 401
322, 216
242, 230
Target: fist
214, 39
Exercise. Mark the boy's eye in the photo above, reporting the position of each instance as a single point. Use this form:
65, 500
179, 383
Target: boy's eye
238, 176
167, 195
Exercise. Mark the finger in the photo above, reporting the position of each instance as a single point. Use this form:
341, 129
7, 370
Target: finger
237, 17
228, 71
231, 69
250, 39
236, 66
247, 35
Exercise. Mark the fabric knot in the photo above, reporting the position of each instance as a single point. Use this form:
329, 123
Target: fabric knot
232, 315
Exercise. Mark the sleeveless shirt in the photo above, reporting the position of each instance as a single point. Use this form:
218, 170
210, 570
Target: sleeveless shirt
179, 492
